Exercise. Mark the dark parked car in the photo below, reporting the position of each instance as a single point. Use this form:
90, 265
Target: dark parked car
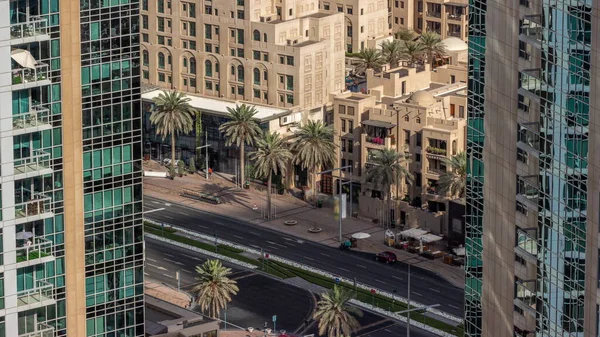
387, 257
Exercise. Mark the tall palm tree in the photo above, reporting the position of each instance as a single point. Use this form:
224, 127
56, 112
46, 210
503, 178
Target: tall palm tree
412, 51
392, 52
388, 168
336, 317
242, 129
313, 146
214, 288
370, 58
432, 46
172, 115
270, 157
405, 34
453, 182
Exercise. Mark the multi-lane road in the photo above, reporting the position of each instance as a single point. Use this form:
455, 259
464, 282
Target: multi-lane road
260, 297
426, 287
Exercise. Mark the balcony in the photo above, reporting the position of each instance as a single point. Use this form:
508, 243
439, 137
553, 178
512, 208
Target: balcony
436, 172
31, 206
40, 296
39, 251
454, 16
35, 29
528, 137
435, 152
36, 165
532, 81
24, 78
531, 29
42, 330
528, 191
37, 119
454, 33
525, 295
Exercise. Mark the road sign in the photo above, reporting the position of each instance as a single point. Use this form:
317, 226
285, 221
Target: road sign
266, 255
373, 291
337, 280
274, 318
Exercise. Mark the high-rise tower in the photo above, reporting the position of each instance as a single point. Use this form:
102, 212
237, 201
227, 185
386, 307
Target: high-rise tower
71, 241
534, 168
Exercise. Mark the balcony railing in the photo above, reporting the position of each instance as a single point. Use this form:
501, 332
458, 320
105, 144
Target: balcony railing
453, 16
435, 171
531, 80
34, 27
435, 153
35, 204
42, 292
43, 330
375, 140
39, 161
529, 134
530, 28
38, 249
38, 115
29, 75
454, 33
434, 14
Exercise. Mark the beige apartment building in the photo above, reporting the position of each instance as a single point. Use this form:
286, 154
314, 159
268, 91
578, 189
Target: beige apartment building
366, 22
413, 110
283, 54
448, 18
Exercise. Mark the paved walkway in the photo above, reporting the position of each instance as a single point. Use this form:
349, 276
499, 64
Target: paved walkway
240, 203
167, 294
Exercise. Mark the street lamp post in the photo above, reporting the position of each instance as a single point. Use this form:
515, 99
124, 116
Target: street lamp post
408, 313
206, 145
340, 183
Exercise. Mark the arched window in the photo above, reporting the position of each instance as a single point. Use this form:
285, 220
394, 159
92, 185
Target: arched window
192, 65
265, 37
240, 74
185, 62
208, 70
145, 58
256, 35
418, 120
256, 76
161, 60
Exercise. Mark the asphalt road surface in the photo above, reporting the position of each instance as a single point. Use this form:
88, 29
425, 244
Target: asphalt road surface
427, 287
249, 307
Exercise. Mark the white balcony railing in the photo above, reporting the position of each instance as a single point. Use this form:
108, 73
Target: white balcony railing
38, 249
37, 116
30, 75
42, 292
39, 161
43, 330
34, 203
35, 26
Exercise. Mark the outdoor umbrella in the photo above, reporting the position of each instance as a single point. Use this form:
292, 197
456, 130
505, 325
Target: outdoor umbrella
24, 58
361, 235
23, 235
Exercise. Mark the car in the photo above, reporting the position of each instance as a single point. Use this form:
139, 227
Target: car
387, 257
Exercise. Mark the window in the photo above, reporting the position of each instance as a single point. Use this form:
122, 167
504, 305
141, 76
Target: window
161, 24
169, 60
146, 74
256, 35
185, 63
145, 58
192, 11
419, 137
343, 124
208, 71
350, 111
461, 111
351, 164
265, 76
256, 55
240, 90
145, 21
290, 12
326, 6
192, 65
208, 47
452, 79
145, 5
160, 7
290, 60
350, 145
208, 9
240, 36
240, 74
161, 61
290, 99
256, 76
208, 31
407, 137
401, 4
396, 3
256, 93
349, 31
343, 163
266, 57
340, 8
193, 82
350, 125
240, 52
145, 38
160, 40
193, 45
193, 29
290, 82
208, 85
264, 37
161, 77
342, 109
418, 120
343, 145
240, 14
349, 10
417, 157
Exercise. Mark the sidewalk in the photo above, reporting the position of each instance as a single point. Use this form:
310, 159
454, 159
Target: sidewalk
239, 203
167, 294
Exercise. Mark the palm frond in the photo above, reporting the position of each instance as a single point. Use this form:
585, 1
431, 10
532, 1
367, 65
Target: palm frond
370, 58
243, 127
313, 145
453, 182
388, 168
214, 289
271, 155
335, 315
172, 113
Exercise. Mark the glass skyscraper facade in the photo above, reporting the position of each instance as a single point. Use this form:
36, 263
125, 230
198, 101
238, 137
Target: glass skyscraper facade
71, 243
532, 241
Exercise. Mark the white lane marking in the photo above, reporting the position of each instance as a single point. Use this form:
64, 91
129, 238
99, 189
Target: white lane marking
219, 223
154, 210
325, 254
387, 330
289, 244
146, 274
276, 244
416, 293
239, 237
379, 281
453, 306
153, 260
167, 275
253, 233
288, 239
255, 246
398, 278
169, 217
435, 290
272, 247
167, 254
343, 269
192, 257
155, 266
300, 241
167, 204
308, 258
182, 213
176, 262
201, 226
156, 202
361, 266
187, 271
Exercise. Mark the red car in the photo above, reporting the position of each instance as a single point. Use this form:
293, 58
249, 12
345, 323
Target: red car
387, 257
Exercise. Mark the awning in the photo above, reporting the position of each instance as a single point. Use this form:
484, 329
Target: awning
413, 233
379, 124
428, 238
460, 251
24, 58
457, 4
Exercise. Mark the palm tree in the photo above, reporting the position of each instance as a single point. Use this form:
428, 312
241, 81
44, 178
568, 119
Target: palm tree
388, 168
412, 51
392, 52
405, 34
432, 45
453, 182
172, 115
370, 58
242, 129
313, 146
214, 288
270, 157
336, 317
